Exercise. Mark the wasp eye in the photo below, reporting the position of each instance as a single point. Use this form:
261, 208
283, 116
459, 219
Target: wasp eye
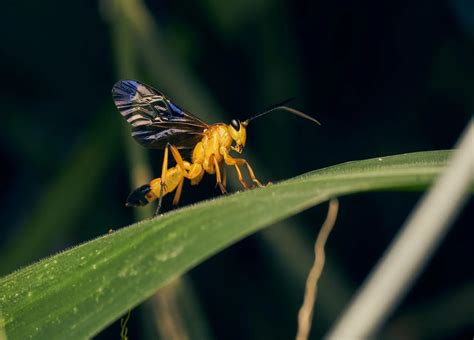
235, 124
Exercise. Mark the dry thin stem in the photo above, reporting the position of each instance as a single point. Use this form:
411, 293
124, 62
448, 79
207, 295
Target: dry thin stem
167, 314
123, 325
306, 311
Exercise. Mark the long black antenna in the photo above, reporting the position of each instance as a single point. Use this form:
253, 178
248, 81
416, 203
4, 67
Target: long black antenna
281, 106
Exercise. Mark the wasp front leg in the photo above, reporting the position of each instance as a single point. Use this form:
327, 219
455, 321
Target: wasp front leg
236, 162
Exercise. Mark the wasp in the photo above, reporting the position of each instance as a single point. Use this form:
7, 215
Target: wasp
158, 123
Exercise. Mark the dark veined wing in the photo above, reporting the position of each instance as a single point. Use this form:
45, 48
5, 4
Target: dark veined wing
154, 119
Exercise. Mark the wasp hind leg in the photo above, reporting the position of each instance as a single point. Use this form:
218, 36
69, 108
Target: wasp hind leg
177, 195
164, 170
179, 160
174, 181
185, 169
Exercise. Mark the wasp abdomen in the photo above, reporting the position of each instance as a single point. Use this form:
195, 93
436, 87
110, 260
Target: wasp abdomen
138, 197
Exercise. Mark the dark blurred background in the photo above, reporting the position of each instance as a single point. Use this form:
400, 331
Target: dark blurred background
383, 78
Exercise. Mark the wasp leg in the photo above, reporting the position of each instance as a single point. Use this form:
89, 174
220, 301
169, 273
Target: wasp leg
224, 176
252, 175
160, 199
233, 162
174, 180
241, 178
218, 175
236, 162
164, 169
177, 195
179, 160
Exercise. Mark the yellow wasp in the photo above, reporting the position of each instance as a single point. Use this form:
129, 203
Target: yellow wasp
158, 123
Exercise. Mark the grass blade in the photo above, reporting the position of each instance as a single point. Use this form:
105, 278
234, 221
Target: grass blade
80, 291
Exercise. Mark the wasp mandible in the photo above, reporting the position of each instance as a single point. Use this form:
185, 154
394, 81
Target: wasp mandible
158, 123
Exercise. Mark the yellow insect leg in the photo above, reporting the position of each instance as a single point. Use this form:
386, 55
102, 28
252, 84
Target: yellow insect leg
224, 176
177, 196
236, 162
164, 169
174, 181
193, 172
177, 157
252, 175
241, 178
233, 162
218, 175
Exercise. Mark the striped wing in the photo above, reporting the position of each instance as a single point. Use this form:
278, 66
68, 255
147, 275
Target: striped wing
154, 119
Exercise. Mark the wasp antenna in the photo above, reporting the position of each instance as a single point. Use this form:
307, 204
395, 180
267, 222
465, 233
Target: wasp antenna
281, 106
271, 108
282, 103
299, 113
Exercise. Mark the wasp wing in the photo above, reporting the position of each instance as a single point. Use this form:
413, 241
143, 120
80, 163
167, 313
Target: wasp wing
154, 119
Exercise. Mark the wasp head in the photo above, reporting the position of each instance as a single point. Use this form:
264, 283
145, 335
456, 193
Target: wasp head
238, 133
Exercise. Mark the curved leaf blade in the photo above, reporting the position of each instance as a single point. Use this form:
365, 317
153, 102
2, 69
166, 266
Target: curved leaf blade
80, 291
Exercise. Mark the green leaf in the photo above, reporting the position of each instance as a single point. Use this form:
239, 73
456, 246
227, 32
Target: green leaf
80, 291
